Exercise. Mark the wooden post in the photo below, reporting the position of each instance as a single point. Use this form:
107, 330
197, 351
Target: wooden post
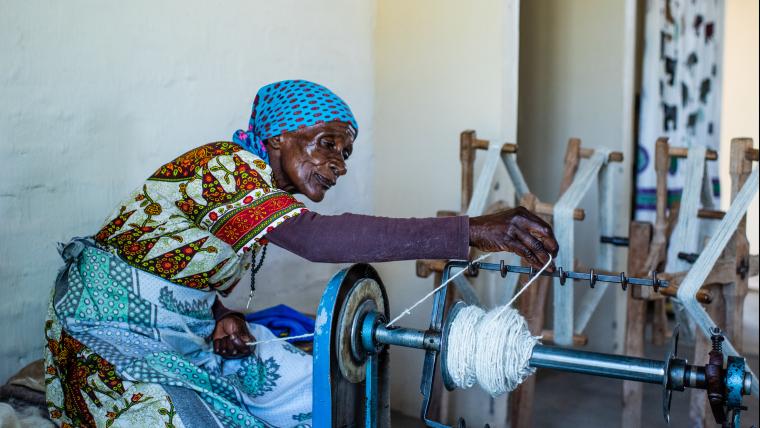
532, 303
572, 160
520, 406
639, 236
467, 159
735, 292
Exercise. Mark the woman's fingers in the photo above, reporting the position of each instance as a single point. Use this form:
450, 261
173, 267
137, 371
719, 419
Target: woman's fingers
541, 231
234, 346
521, 250
534, 246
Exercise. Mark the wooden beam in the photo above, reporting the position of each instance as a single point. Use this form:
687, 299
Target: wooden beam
547, 338
682, 152
586, 153
640, 235
711, 214
543, 208
483, 145
752, 155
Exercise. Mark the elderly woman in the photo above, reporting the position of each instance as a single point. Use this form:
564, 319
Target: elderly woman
136, 335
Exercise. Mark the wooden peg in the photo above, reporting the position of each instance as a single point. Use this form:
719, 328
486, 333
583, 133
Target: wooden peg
613, 157
682, 152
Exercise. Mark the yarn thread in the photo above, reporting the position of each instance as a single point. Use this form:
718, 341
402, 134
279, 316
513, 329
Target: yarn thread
707, 258
491, 348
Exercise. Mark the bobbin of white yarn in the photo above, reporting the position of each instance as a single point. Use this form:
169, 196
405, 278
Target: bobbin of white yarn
492, 349
459, 358
504, 347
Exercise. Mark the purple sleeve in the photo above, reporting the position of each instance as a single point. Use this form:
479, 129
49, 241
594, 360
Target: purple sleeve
353, 238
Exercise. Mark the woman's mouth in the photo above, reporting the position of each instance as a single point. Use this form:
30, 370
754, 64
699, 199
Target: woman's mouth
324, 182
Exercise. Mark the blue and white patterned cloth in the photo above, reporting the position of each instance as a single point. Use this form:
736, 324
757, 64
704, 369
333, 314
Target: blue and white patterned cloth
287, 106
154, 333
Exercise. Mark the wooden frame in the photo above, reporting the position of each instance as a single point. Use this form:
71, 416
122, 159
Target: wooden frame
533, 301
648, 252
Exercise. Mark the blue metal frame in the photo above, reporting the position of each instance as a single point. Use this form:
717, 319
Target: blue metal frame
375, 336
321, 382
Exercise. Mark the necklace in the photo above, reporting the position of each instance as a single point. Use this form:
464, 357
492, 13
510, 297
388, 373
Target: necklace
255, 267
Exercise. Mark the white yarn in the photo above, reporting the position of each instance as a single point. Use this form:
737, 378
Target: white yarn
521, 187
462, 346
483, 186
280, 339
686, 232
403, 313
699, 271
503, 351
493, 348
408, 310
564, 229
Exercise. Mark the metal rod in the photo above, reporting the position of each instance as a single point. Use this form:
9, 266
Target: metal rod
560, 273
596, 364
408, 337
618, 241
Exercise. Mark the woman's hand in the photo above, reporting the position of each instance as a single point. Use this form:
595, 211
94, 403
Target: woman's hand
230, 337
517, 230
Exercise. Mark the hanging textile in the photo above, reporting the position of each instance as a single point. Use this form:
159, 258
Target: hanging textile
680, 92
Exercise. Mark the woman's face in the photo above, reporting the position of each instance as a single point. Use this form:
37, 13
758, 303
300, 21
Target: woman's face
312, 159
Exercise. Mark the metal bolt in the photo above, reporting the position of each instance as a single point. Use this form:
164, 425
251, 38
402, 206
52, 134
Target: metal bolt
717, 339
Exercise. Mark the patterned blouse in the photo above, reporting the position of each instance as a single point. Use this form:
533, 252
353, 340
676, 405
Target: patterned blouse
195, 219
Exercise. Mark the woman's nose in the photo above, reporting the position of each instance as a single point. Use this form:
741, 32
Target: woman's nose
338, 168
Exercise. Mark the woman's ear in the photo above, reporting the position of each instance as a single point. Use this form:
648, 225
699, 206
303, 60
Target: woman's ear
274, 142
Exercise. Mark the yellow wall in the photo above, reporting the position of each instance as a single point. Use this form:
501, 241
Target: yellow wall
739, 117
576, 80
442, 66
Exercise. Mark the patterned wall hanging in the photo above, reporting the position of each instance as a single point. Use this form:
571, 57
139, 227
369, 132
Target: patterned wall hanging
680, 92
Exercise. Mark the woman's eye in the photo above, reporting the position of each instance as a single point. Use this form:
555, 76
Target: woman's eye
328, 143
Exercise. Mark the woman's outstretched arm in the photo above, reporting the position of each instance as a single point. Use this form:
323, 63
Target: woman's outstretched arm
351, 238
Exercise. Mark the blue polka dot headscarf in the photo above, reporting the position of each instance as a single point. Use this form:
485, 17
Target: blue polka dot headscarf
287, 106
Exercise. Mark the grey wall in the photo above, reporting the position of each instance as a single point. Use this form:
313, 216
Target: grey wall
95, 95
442, 67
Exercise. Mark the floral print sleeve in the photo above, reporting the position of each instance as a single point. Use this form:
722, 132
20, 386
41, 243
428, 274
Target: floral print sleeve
195, 218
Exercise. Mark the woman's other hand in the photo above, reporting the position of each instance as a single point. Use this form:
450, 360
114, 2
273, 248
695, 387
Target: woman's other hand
516, 230
230, 337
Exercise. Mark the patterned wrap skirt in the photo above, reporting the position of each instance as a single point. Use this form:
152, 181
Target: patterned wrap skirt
127, 348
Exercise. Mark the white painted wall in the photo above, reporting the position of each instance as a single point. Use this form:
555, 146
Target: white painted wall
576, 80
95, 95
741, 96
441, 67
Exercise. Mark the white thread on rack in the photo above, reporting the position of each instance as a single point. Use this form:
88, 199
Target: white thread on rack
699, 271
492, 349
686, 232
564, 229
